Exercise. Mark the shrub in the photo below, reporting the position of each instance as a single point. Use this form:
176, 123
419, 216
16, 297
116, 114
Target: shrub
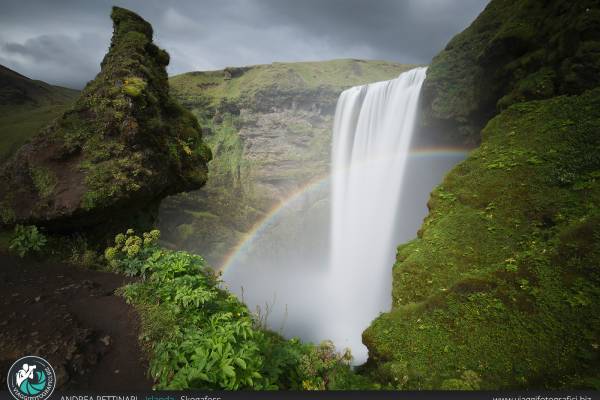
27, 239
212, 340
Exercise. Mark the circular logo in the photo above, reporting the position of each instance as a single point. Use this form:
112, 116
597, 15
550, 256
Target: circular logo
31, 378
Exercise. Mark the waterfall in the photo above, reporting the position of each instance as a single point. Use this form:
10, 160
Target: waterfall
371, 138
320, 266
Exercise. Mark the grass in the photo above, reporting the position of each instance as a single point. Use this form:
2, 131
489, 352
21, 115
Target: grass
285, 76
501, 289
19, 124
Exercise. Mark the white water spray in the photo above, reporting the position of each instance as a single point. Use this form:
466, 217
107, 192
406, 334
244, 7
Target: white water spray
372, 133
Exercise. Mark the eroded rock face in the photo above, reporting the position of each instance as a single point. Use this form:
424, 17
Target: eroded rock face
514, 51
125, 143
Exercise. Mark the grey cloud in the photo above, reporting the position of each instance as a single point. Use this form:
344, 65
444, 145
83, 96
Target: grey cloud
59, 59
63, 41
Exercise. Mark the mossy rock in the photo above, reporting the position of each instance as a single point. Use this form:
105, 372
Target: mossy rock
501, 289
124, 144
514, 51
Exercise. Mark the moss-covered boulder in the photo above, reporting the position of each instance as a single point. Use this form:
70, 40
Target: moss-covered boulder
501, 289
516, 50
124, 144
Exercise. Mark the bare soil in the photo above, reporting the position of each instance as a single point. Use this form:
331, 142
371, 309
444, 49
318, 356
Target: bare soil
71, 317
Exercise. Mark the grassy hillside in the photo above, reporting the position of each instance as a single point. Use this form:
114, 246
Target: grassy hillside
19, 90
269, 129
501, 288
247, 82
26, 106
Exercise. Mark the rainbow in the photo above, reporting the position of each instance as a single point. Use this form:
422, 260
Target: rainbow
312, 185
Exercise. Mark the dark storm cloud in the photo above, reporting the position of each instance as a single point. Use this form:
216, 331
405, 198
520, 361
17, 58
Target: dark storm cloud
63, 41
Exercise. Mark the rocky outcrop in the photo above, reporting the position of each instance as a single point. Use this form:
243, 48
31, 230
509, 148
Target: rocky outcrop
125, 143
514, 51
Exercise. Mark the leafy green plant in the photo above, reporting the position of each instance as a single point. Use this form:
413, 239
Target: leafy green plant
212, 341
27, 239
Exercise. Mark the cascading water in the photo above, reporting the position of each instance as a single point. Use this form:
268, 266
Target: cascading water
371, 140
320, 266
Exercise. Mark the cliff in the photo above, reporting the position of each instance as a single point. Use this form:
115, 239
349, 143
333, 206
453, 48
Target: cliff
501, 288
514, 51
269, 128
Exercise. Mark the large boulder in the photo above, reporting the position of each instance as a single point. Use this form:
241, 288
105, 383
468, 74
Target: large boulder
124, 144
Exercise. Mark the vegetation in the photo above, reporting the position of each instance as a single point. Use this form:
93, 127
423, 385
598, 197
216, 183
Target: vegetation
200, 336
514, 51
25, 107
249, 86
20, 124
501, 289
27, 239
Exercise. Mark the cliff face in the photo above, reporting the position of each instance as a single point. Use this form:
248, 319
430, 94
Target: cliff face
514, 51
269, 128
125, 143
501, 288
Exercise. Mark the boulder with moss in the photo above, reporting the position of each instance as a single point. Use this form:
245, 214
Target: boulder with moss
514, 51
124, 144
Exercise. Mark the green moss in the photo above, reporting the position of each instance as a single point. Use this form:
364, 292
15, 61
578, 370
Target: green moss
120, 178
514, 51
505, 267
134, 86
44, 181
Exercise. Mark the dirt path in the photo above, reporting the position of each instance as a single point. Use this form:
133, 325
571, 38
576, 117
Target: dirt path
71, 317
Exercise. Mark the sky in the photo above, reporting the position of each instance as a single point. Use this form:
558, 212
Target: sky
63, 41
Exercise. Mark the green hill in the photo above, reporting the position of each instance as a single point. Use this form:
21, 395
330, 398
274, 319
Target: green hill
247, 85
26, 106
